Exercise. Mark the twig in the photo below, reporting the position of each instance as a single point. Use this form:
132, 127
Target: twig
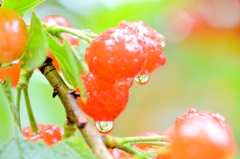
57, 30
23, 86
74, 114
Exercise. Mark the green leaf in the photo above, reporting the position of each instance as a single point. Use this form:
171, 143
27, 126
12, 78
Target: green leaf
37, 45
21, 6
65, 58
19, 148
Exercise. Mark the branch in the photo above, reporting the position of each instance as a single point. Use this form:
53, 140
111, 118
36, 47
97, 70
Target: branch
74, 114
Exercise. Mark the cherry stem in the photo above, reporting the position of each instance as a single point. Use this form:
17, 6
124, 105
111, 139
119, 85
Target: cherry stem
132, 150
57, 30
83, 67
9, 64
144, 139
127, 143
8, 94
74, 114
19, 93
23, 86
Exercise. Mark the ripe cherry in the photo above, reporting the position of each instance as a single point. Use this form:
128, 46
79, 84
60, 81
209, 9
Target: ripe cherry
49, 133
199, 135
153, 47
105, 101
14, 35
116, 54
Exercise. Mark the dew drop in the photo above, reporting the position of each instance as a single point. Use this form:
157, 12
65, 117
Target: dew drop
163, 40
104, 126
142, 79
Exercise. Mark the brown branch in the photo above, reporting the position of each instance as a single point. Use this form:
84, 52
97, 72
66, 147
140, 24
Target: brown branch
74, 114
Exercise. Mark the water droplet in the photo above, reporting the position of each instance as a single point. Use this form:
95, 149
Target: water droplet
142, 79
193, 111
104, 126
163, 40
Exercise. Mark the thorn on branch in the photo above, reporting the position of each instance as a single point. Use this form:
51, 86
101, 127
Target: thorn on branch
75, 94
82, 125
55, 91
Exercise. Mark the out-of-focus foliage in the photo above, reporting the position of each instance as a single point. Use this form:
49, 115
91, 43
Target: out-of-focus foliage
202, 68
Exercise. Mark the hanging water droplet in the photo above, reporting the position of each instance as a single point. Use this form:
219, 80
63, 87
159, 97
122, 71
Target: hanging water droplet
163, 40
142, 79
104, 126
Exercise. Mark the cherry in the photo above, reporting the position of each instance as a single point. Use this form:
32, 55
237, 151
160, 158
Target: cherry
14, 35
116, 54
105, 101
199, 135
49, 133
153, 47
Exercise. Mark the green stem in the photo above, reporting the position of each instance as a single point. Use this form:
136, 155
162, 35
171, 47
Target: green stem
141, 139
31, 117
83, 67
132, 150
23, 86
9, 64
57, 30
127, 143
19, 93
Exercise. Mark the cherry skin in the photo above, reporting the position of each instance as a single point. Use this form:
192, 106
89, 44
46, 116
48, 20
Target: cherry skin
14, 35
48, 133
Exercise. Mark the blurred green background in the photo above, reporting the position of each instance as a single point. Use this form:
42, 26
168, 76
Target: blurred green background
202, 69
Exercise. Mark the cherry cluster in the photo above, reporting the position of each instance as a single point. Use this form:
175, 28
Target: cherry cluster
116, 57
195, 135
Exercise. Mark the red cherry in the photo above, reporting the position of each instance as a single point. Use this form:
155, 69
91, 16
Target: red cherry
105, 102
198, 135
49, 133
153, 47
116, 54
14, 35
